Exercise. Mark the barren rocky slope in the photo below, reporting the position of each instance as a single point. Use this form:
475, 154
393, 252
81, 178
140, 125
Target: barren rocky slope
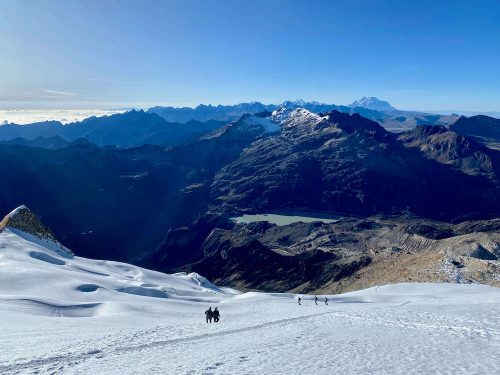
347, 255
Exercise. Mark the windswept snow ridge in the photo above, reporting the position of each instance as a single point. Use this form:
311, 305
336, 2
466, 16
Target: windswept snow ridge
37, 278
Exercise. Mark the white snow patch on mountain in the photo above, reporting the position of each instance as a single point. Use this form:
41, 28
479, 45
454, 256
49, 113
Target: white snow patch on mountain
288, 117
15, 211
373, 103
268, 125
75, 315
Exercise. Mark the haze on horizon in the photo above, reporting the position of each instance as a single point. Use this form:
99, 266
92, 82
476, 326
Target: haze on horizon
420, 55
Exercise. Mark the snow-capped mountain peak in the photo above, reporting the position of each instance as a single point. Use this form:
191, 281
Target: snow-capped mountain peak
372, 103
289, 117
294, 103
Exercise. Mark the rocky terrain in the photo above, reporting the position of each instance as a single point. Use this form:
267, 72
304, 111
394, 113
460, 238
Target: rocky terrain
348, 255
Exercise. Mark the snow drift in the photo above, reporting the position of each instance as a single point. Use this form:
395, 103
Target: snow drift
40, 276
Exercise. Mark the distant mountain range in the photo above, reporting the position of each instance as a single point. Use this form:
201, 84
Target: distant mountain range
133, 128
369, 107
169, 126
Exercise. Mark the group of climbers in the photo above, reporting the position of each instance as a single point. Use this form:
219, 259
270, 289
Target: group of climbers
316, 299
215, 314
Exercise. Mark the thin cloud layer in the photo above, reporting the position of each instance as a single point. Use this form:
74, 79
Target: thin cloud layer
65, 116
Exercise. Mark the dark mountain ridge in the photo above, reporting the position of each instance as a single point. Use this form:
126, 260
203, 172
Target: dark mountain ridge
482, 128
345, 163
129, 129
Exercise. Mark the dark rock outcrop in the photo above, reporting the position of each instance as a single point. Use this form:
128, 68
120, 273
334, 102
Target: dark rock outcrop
25, 220
22, 219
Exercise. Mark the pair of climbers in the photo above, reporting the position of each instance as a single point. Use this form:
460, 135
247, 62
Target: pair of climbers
316, 300
212, 314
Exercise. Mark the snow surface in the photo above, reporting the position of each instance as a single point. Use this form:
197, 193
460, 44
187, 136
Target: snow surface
80, 316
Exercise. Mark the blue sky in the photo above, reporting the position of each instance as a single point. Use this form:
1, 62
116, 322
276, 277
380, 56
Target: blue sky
427, 55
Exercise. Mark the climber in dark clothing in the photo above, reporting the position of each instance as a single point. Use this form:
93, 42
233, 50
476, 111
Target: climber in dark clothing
216, 314
209, 315
326, 301
316, 300
299, 299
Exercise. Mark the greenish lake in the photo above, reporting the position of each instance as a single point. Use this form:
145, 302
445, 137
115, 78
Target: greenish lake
286, 218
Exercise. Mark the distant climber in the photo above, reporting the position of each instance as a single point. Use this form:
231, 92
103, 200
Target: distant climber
316, 300
326, 300
216, 315
209, 314
299, 299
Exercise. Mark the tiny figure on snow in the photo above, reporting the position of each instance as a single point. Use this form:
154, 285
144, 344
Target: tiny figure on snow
299, 299
326, 300
209, 314
216, 315
316, 300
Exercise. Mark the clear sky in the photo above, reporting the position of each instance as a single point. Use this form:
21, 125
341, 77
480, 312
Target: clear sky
427, 55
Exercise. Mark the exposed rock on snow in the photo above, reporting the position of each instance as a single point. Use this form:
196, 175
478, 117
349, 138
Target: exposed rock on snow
27, 225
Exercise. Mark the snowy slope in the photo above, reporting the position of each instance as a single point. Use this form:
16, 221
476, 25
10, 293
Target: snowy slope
64, 314
37, 279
